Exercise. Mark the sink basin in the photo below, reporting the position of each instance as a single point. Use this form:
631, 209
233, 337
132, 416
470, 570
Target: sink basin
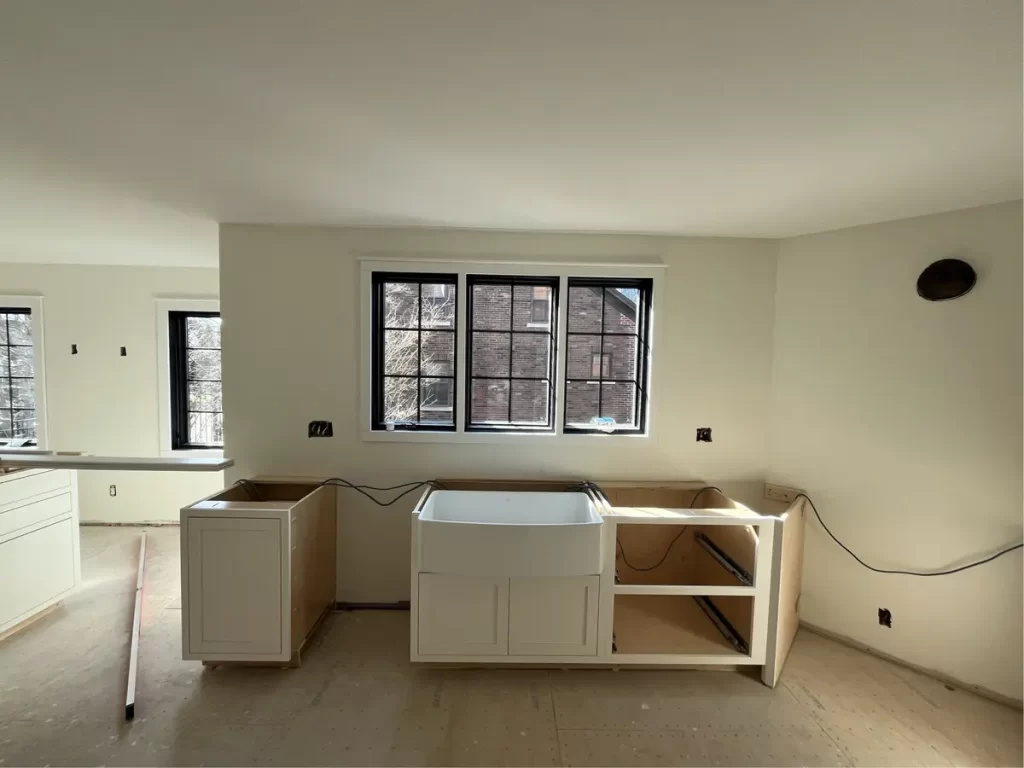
497, 508
514, 534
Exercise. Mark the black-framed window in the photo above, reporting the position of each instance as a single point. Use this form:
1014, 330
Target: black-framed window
17, 377
512, 352
607, 355
414, 351
197, 410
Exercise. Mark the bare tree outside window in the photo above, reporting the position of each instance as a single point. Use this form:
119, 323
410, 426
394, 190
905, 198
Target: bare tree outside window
17, 377
417, 328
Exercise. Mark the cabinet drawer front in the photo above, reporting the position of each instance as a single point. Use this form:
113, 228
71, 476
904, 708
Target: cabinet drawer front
462, 615
13, 492
35, 569
234, 582
553, 617
15, 518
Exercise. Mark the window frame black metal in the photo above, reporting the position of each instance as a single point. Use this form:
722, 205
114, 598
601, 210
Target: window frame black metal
177, 345
532, 281
641, 381
11, 379
377, 374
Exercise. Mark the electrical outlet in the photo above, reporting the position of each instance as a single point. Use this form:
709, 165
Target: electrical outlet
113, 490
780, 493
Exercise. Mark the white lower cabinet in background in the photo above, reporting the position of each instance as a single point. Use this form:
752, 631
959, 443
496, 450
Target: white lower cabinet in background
39, 557
479, 616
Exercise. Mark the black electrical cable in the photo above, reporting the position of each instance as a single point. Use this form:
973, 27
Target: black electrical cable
851, 553
682, 530
253, 490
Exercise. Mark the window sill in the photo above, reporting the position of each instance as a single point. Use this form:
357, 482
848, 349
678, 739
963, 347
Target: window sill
488, 438
193, 453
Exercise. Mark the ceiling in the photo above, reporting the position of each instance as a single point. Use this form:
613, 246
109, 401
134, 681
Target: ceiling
128, 129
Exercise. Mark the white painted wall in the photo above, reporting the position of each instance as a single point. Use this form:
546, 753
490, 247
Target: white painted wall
98, 401
902, 419
289, 298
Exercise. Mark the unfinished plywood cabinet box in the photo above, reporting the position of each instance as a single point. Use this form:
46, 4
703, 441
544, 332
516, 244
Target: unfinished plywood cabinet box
39, 556
258, 566
675, 578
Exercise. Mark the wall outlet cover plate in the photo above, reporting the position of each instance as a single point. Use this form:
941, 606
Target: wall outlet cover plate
781, 493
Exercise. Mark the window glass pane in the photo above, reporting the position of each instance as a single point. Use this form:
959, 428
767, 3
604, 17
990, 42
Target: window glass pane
202, 332
621, 354
25, 424
204, 396
401, 305
4, 361
530, 402
618, 400
581, 356
206, 428
401, 352
532, 303
5, 393
437, 356
5, 425
490, 401
3, 328
584, 309
436, 399
620, 309
23, 392
492, 307
490, 354
400, 401
202, 364
530, 354
19, 328
22, 363
438, 305
580, 402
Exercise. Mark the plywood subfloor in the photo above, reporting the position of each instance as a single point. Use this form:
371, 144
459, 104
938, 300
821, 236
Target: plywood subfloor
666, 624
357, 700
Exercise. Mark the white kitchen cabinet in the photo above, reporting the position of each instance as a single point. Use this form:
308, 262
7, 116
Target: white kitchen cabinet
235, 585
553, 617
258, 564
462, 615
39, 548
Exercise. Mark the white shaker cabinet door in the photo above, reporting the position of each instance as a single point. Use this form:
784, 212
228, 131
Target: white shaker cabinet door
553, 617
462, 615
234, 578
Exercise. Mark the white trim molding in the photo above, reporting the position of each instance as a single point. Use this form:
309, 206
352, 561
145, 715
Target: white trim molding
163, 370
463, 267
34, 303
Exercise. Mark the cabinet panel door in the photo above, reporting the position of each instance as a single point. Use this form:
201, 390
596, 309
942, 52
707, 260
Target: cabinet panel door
462, 615
35, 570
553, 617
234, 586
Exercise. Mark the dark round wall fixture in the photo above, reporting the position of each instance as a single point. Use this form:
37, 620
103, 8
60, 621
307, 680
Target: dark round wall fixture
946, 279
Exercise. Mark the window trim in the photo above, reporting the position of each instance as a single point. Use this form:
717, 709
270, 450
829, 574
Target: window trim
641, 380
164, 307
549, 329
369, 262
377, 375
34, 305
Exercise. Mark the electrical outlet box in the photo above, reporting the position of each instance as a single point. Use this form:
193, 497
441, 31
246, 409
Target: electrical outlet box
780, 493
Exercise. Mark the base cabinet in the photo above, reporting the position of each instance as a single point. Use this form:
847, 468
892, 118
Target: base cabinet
257, 571
475, 616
